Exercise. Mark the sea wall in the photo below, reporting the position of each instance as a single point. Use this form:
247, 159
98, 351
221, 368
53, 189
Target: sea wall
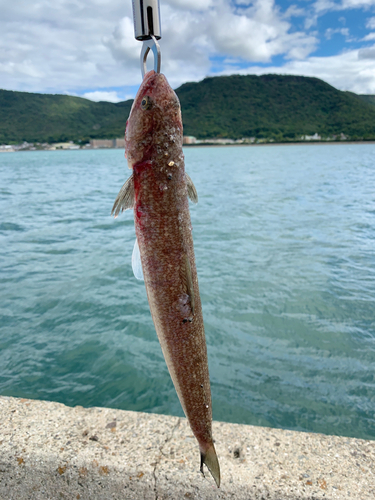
51, 451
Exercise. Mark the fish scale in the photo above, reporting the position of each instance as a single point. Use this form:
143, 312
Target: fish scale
158, 191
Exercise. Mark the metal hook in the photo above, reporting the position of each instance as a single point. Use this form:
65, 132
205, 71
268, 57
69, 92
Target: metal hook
146, 47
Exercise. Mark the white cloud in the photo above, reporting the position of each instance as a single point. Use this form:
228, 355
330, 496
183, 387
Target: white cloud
330, 5
102, 95
368, 53
325, 5
89, 44
78, 46
190, 4
370, 24
57, 46
257, 33
347, 71
122, 44
357, 4
341, 31
369, 37
294, 11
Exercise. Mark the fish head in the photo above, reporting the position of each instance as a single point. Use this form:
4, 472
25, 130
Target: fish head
155, 115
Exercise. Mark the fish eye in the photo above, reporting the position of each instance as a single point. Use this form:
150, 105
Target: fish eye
145, 103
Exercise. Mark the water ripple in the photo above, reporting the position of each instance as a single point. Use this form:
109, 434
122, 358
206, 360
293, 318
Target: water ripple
284, 242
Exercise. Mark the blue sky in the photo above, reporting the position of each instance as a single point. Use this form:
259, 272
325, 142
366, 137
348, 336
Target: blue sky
87, 47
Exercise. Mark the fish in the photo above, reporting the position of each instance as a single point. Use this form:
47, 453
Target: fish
158, 191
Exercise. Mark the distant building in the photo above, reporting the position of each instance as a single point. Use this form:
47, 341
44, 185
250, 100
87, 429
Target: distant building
6, 149
219, 141
189, 139
119, 143
315, 137
107, 143
63, 145
101, 143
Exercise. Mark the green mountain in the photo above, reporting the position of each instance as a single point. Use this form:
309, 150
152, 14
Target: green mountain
267, 106
282, 107
367, 98
54, 118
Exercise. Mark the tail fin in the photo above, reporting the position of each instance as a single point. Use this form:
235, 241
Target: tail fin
210, 459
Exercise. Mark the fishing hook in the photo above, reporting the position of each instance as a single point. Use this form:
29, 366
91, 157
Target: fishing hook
146, 47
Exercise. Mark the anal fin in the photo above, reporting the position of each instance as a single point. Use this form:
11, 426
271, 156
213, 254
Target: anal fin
136, 262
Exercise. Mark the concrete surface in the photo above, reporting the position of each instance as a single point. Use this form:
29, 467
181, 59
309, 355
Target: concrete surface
51, 451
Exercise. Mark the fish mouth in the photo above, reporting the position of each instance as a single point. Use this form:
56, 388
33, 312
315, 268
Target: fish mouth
149, 75
152, 80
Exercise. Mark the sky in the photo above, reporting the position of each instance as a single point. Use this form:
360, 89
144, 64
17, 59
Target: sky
87, 47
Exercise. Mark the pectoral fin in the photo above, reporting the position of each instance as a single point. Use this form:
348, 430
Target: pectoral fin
125, 198
192, 192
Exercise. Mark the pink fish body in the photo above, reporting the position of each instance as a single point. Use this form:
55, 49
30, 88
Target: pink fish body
158, 191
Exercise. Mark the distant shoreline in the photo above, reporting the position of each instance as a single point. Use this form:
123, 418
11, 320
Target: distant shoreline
209, 145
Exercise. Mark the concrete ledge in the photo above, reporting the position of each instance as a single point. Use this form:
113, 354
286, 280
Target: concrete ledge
51, 451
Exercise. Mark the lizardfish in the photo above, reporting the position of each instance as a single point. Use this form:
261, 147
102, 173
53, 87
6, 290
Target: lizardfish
158, 191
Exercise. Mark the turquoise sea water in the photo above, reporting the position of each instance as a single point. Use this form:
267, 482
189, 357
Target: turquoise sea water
285, 249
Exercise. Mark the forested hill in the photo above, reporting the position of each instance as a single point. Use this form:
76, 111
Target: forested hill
273, 106
267, 106
54, 118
